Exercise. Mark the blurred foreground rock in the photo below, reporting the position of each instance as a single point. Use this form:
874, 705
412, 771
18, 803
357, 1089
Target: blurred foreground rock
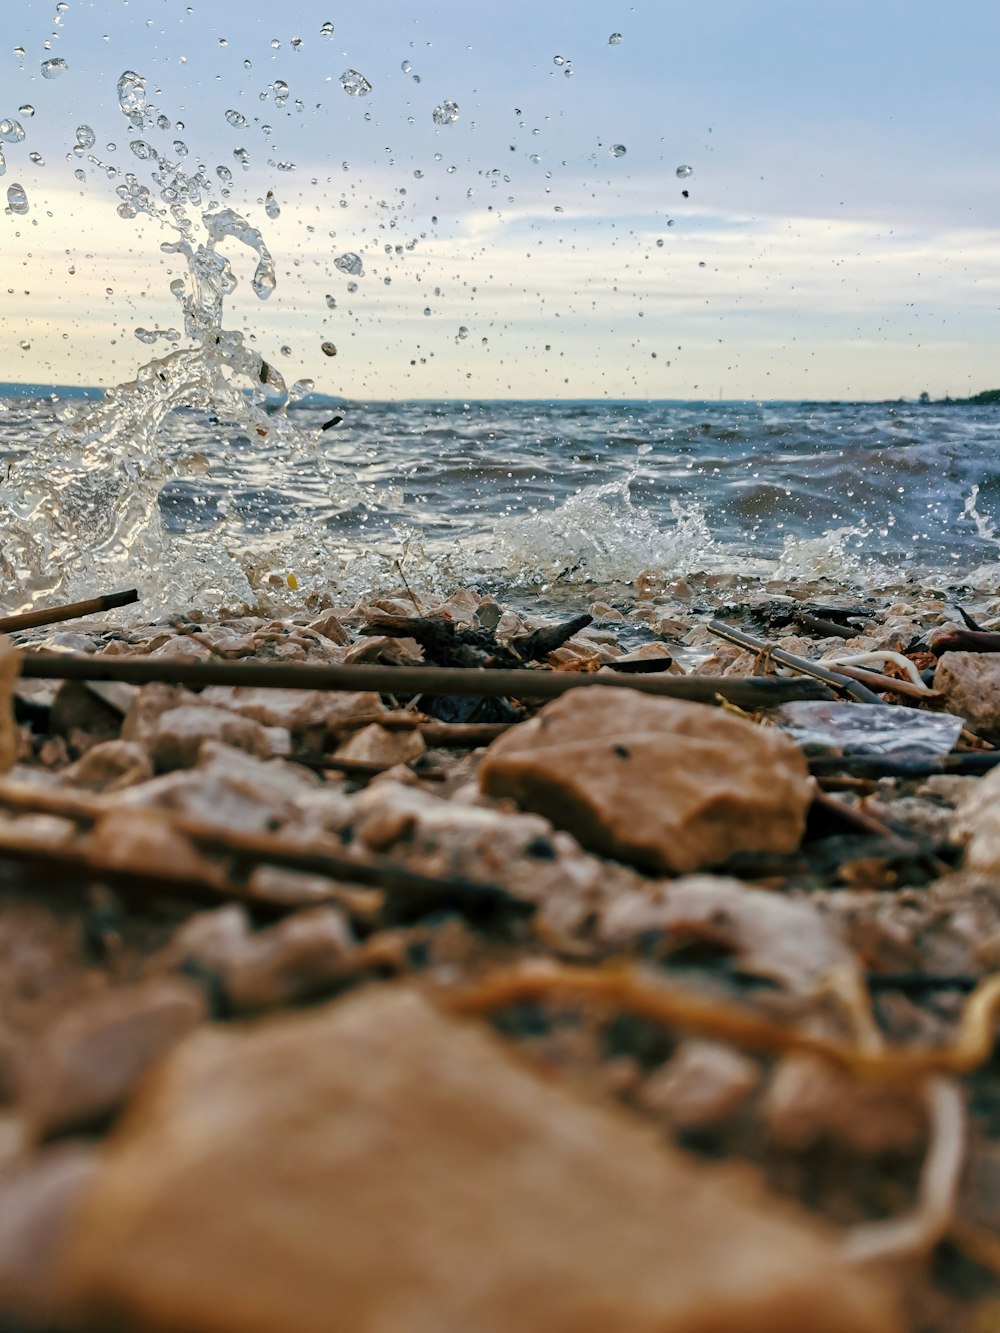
376, 1165
667, 785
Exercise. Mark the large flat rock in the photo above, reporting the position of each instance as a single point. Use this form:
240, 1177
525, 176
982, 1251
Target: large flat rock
375, 1166
668, 785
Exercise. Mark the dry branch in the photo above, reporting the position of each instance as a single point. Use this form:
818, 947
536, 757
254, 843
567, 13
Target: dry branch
71, 611
745, 692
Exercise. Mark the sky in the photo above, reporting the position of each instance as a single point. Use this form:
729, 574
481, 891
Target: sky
837, 236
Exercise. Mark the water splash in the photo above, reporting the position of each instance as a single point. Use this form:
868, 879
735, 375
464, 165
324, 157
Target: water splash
600, 535
82, 509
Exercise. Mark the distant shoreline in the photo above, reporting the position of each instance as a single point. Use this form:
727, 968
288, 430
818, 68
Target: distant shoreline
987, 398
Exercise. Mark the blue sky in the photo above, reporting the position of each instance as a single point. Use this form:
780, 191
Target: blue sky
839, 238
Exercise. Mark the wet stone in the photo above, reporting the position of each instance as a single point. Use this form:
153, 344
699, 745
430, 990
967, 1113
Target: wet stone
666, 785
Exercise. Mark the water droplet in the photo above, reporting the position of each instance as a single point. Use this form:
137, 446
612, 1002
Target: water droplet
224, 175
615, 39
27, 110
125, 211
419, 174
446, 113
406, 67
427, 310
684, 171
618, 150
20, 52
350, 263
242, 157
559, 60
286, 350
331, 302
659, 241
17, 199
25, 346
296, 43
223, 41
463, 332
85, 136
180, 148
144, 151
37, 158
236, 119
271, 206
51, 69
11, 131
352, 287
80, 174
326, 30
568, 71
328, 349
275, 44
354, 83
132, 98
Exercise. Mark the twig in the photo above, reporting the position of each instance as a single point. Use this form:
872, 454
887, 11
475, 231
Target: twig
71, 611
679, 1007
905, 766
836, 680
415, 890
966, 641
747, 691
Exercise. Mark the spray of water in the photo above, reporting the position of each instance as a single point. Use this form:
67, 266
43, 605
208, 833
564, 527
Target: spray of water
82, 509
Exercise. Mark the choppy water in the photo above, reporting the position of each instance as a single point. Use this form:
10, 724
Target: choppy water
212, 484
537, 498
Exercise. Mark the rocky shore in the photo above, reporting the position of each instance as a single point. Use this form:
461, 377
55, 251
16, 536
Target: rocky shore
662, 1003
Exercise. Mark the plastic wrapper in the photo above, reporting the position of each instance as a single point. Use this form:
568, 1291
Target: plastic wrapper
869, 728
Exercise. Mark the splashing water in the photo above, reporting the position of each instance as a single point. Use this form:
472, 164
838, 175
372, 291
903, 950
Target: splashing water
598, 535
82, 508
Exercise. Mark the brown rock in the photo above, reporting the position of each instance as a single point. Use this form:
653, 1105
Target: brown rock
375, 1165
375, 744
88, 1063
702, 1084
668, 785
180, 732
970, 685
110, 766
134, 840
331, 627
299, 711
303, 955
769, 935
808, 1102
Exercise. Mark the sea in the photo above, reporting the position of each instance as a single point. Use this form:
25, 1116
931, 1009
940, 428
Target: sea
223, 506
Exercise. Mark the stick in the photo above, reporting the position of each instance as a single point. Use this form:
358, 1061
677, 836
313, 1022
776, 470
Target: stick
966, 641
745, 692
71, 611
905, 766
833, 678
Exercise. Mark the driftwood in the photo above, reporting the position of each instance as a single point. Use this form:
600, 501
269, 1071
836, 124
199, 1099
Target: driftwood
826, 621
966, 641
449, 645
71, 611
745, 692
